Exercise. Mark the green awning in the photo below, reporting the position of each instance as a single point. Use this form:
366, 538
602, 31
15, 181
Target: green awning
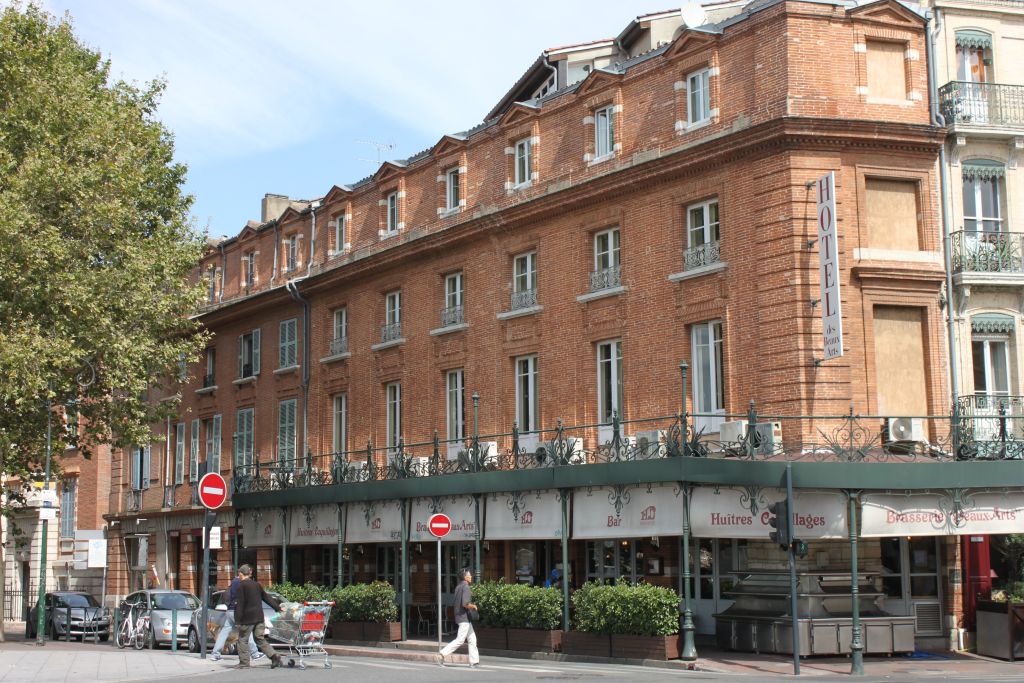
992, 323
983, 169
973, 38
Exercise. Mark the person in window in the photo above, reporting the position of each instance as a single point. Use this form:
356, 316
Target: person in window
463, 603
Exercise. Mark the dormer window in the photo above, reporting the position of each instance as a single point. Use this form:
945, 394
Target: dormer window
604, 132
341, 237
291, 245
249, 269
699, 97
453, 189
523, 162
392, 217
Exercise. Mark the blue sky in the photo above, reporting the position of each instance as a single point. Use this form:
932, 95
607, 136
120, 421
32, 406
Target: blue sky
269, 96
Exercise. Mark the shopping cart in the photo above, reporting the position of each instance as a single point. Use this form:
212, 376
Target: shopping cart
302, 629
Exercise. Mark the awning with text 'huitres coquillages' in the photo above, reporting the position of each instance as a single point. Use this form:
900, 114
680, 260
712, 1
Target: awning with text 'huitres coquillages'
461, 510
738, 512
375, 521
941, 513
313, 524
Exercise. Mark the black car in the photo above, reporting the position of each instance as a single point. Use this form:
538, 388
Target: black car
86, 616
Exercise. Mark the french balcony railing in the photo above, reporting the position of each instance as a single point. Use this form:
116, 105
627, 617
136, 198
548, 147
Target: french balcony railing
451, 316
987, 252
246, 371
339, 345
524, 298
169, 496
208, 381
980, 429
703, 255
195, 493
390, 332
605, 278
133, 500
988, 104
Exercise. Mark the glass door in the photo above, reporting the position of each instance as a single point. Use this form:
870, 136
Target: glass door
610, 560
910, 579
712, 563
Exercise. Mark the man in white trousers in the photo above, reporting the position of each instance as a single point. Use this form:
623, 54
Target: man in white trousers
463, 602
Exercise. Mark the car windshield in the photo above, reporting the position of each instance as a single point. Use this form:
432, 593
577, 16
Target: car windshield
174, 601
75, 600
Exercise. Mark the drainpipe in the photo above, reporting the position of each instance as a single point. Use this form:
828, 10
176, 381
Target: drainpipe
294, 291
554, 70
223, 271
313, 206
277, 249
939, 120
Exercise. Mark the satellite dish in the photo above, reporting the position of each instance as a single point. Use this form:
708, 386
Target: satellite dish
693, 15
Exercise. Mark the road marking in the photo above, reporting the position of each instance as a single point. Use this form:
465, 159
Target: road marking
522, 668
387, 666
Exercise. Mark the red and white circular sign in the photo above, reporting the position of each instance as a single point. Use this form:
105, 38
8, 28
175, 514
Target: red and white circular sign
213, 490
440, 525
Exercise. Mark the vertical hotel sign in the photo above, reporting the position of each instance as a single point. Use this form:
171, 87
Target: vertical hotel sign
828, 266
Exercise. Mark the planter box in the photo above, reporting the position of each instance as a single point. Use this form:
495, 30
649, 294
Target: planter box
1000, 629
347, 630
491, 638
387, 632
586, 644
646, 647
534, 640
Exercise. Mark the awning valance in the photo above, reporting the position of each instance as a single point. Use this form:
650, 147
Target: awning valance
523, 515
313, 524
374, 521
992, 323
982, 170
939, 514
460, 509
262, 527
974, 38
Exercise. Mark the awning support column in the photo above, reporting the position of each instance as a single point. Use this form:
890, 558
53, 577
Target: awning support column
856, 646
341, 544
564, 493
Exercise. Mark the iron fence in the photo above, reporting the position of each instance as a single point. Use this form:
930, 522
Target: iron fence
995, 104
968, 433
987, 252
15, 608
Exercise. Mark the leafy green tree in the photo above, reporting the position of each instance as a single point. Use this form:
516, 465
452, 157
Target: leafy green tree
96, 246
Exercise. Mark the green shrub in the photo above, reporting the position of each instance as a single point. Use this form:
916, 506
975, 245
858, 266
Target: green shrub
291, 592
380, 605
640, 610
517, 605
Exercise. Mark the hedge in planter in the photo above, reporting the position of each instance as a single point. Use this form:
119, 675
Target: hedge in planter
636, 621
529, 617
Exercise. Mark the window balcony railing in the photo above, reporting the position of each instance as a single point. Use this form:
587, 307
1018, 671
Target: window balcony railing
339, 345
525, 298
195, 493
703, 255
169, 496
246, 371
133, 500
451, 316
987, 252
390, 332
606, 278
989, 104
208, 381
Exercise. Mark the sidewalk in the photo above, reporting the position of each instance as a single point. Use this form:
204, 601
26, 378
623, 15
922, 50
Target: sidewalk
61, 662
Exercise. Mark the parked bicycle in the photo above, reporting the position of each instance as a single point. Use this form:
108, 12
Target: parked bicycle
134, 629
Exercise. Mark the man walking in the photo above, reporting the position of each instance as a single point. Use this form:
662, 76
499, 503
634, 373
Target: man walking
249, 599
229, 623
463, 603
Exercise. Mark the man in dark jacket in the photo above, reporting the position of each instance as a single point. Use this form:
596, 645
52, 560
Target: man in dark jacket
249, 599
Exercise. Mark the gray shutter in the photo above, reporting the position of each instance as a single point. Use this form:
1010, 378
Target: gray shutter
136, 468
194, 452
147, 461
213, 458
256, 351
241, 355
179, 452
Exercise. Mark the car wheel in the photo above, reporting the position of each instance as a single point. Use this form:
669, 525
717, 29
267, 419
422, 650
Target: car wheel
193, 640
150, 638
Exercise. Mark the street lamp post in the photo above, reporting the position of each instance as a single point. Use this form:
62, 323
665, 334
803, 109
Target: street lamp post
689, 651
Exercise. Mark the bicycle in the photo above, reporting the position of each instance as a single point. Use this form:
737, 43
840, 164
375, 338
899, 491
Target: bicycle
132, 631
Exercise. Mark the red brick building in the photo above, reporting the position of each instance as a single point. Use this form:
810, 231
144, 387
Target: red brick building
559, 261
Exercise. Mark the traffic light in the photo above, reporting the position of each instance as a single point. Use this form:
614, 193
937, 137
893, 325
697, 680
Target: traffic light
778, 520
799, 547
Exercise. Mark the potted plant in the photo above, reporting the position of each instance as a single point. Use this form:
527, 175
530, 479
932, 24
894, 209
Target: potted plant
346, 622
1000, 623
624, 621
533, 617
491, 633
379, 613
589, 636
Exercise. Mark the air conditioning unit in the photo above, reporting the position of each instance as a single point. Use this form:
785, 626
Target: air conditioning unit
528, 442
733, 431
359, 471
420, 465
650, 444
488, 453
905, 429
768, 438
571, 447
452, 450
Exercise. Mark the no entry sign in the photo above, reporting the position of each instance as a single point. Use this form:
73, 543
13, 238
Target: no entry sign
440, 525
213, 490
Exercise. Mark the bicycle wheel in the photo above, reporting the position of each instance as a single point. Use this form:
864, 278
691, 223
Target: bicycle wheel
121, 634
141, 634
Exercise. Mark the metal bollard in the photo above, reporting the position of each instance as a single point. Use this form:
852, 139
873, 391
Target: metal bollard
67, 628
174, 630
113, 626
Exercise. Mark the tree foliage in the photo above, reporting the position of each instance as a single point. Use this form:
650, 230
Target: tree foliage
96, 246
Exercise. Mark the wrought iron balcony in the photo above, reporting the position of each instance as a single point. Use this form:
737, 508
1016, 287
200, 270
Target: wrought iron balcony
195, 493
704, 255
209, 381
169, 496
246, 371
987, 252
339, 345
606, 278
525, 298
133, 500
993, 425
451, 316
390, 332
986, 104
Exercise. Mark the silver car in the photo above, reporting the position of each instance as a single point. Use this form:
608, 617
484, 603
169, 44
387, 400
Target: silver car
86, 616
160, 605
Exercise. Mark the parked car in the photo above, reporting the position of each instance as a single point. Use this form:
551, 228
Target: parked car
87, 616
215, 618
160, 604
